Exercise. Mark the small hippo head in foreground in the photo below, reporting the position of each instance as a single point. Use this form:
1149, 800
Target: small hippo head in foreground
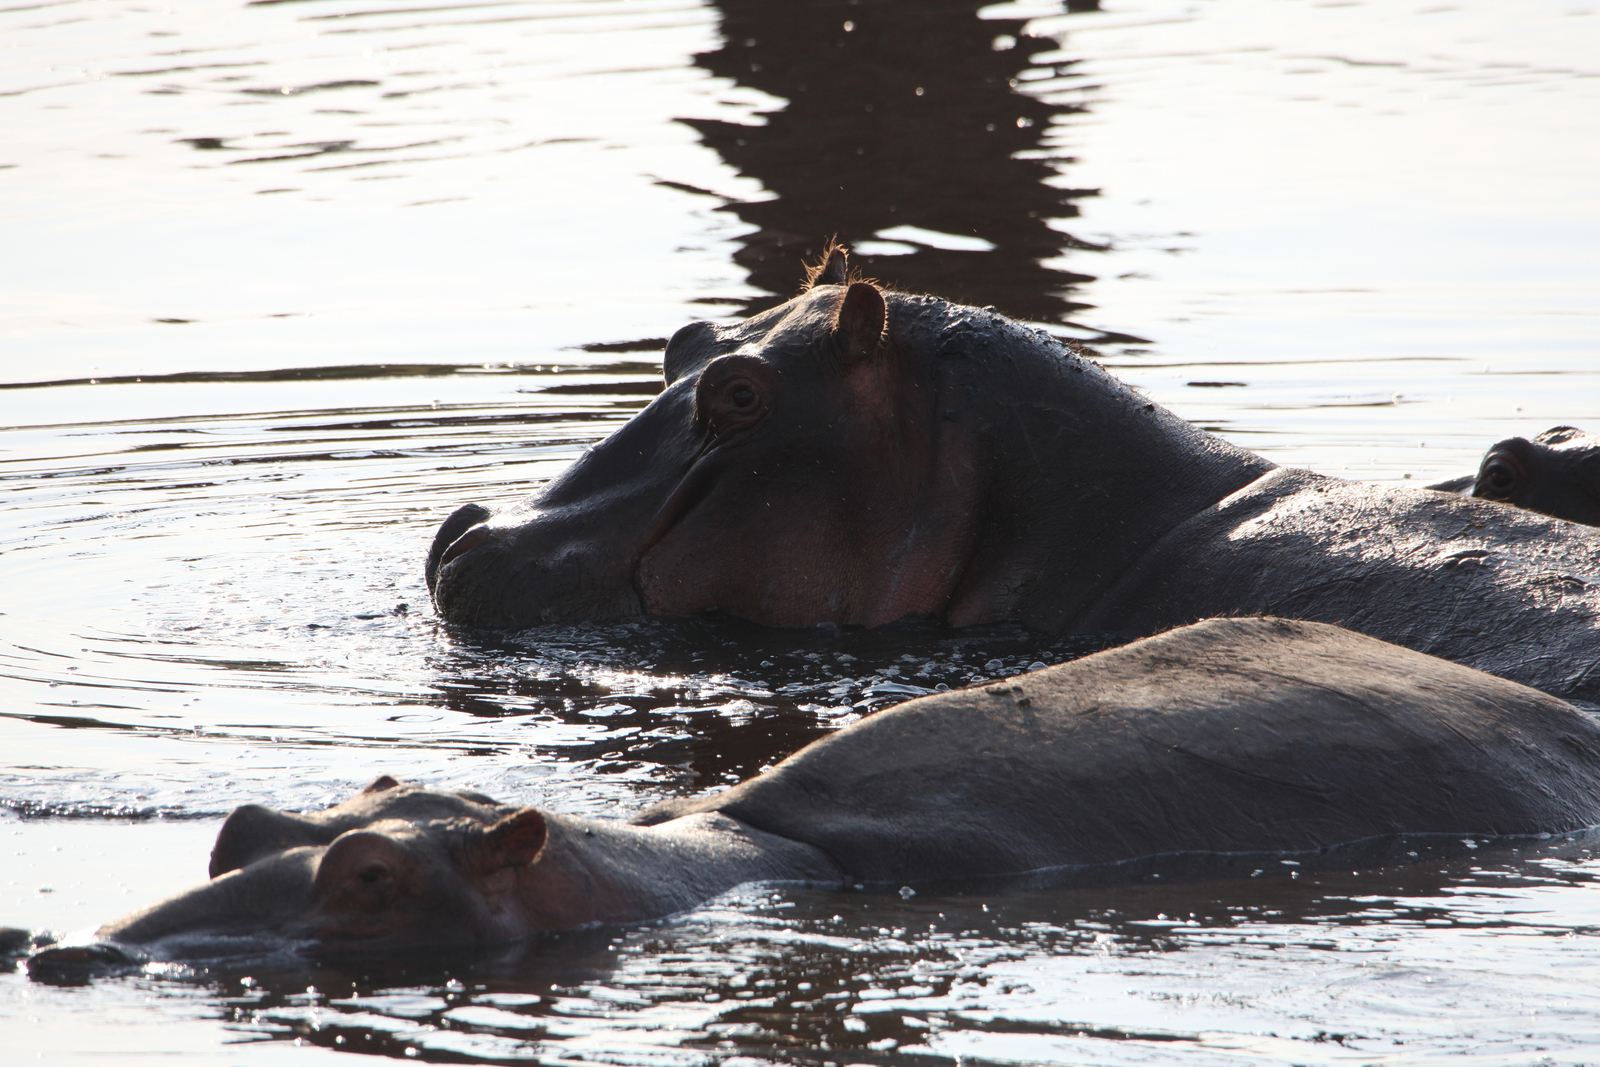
392, 864
1557, 474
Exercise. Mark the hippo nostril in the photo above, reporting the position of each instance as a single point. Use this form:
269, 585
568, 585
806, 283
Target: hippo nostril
464, 544
460, 521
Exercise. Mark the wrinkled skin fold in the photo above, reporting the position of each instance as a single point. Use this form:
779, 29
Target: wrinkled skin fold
857, 456
1232, 739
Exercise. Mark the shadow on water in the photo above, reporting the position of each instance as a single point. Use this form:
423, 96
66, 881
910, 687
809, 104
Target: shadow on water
697, 702
900, 114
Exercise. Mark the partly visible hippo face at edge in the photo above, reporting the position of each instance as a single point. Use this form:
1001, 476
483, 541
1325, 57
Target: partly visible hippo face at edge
1557, 474
741, 488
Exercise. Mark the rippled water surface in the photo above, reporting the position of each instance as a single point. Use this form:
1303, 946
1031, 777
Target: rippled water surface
286, 281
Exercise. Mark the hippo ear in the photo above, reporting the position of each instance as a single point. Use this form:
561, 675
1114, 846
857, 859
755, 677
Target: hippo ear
835, 268
381, 784
832, 269
1558, 435
514, 841
858, 327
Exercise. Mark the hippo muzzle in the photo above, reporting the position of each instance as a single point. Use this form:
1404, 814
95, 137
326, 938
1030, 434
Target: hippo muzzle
539, 568
570, 552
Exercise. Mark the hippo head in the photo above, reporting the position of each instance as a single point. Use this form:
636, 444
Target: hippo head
1557, 473
742, 487
396, 865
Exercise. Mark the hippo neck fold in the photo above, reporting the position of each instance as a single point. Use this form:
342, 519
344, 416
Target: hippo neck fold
1050, 543
600, 871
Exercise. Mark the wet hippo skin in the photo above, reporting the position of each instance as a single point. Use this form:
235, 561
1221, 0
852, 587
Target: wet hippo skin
1232, 740
1556, 474
856, 456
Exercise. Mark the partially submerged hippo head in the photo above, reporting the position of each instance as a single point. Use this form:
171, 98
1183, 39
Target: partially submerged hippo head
400, 865
853, 456
1557, 474
761, 422
393, 865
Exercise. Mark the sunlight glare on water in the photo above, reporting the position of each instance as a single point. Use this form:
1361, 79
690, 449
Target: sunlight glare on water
289, 280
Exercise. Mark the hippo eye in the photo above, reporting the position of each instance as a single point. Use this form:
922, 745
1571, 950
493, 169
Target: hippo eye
1498, 478
733, 393
373, 873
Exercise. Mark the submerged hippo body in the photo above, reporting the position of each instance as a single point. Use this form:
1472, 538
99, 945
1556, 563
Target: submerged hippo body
1233, 739
1556, 474
855, 456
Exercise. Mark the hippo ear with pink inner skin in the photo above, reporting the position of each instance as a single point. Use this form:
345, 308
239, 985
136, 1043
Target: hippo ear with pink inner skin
514, 841
858, 326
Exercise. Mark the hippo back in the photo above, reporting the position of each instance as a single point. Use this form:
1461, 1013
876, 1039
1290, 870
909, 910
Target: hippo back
1230, 736
1492, 587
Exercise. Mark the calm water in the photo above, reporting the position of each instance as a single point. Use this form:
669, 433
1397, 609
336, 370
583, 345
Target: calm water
286, 281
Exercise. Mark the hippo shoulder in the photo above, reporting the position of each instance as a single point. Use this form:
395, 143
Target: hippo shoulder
1504, 590
1235, 735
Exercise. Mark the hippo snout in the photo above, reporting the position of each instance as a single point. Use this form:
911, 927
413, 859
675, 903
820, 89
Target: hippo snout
79, 964
530, 567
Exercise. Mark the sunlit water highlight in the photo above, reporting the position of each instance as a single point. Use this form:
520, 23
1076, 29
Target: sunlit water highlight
288, 281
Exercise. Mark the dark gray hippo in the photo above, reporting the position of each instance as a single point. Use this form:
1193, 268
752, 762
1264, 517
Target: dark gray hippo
1556, 474
1206, 751
856, 456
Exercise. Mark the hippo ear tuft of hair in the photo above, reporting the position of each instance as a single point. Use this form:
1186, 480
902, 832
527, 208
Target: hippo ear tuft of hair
515, 840
858, 327
835, 269
832, 269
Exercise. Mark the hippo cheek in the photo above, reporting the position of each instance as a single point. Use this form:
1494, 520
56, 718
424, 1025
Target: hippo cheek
774, 574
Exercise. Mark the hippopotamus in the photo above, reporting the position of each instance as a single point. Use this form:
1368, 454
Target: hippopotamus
1556, 474
856, 455
1214, 749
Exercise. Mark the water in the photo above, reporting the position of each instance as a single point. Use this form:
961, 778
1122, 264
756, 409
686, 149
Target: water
288, 281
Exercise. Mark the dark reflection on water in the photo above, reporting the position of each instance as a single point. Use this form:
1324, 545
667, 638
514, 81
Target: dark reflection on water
900, 113
706, 701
